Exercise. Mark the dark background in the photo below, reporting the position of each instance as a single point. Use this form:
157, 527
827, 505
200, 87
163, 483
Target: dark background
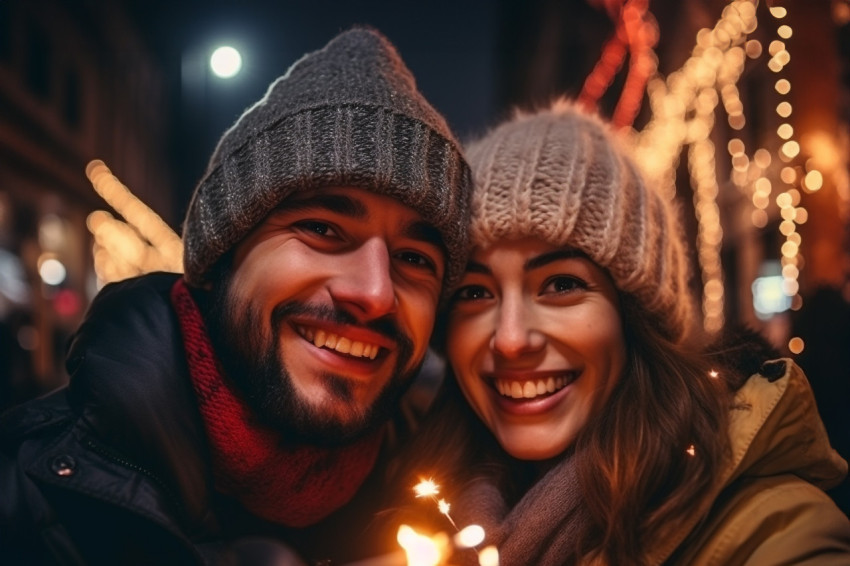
469, 56
448, 45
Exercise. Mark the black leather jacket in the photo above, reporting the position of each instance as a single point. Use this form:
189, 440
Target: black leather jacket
114, 468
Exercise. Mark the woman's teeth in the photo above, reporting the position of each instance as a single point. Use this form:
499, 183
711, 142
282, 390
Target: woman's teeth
341, 344
530, 389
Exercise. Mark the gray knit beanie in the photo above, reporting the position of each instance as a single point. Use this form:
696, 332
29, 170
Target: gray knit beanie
561, 176
347, 115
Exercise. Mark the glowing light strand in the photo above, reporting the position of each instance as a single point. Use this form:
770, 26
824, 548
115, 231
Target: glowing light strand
683, 107
636, 34
788, 200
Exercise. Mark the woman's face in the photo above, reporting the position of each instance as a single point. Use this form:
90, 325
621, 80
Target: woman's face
535, 339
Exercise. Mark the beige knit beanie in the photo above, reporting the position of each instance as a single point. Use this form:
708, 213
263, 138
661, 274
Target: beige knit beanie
561, 176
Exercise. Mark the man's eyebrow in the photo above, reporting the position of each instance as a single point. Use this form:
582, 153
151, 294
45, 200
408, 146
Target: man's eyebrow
354, 208
341, 204
424, 232
549, 257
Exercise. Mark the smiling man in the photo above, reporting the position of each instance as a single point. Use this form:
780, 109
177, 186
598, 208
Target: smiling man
327, 312
255, 396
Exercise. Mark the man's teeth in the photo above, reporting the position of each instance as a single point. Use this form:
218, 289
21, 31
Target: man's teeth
530, 389
341, 344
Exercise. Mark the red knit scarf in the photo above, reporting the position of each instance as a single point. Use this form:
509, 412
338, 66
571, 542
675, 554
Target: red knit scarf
290, 485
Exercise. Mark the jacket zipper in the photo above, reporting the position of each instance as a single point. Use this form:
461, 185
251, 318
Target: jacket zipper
117, 459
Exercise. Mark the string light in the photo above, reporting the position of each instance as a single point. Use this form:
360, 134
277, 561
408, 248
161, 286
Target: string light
813, 180
683, 114
636, 34
788, 200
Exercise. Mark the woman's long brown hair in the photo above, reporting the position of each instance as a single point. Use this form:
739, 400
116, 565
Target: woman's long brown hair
657, 445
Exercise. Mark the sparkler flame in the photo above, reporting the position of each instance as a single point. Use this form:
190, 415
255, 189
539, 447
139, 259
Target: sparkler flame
430, 488
426, 488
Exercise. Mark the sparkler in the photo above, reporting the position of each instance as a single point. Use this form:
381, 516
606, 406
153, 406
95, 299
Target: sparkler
468, 537
424, 550
428, 488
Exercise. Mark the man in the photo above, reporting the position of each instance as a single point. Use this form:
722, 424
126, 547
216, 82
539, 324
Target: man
251, 398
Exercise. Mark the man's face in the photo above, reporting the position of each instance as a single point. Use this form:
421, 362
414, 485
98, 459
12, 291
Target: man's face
327, 312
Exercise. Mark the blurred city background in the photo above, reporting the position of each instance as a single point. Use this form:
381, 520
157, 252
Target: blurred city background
740, 110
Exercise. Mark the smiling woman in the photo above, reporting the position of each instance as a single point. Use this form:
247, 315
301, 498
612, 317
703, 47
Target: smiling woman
536, 342
585, 419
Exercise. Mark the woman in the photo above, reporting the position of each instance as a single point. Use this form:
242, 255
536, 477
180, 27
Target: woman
602, 428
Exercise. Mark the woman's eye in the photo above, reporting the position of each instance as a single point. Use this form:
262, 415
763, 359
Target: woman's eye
471, 293
564, 284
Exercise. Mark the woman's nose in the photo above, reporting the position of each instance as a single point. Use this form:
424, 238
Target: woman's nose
515, 333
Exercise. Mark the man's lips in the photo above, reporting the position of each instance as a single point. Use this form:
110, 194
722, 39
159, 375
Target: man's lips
350, 341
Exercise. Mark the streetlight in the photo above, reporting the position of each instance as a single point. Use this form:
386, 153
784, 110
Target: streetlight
225, 62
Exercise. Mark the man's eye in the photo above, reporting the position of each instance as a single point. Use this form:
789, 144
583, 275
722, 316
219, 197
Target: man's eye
416, 259
471, 293
316, 227
564, 284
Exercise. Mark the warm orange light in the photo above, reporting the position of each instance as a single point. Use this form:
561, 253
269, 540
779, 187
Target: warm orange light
813, 180
420, 549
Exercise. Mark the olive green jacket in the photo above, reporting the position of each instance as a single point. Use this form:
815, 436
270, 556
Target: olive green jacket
769, 506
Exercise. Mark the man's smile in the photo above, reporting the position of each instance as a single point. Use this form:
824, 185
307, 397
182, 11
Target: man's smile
341, 344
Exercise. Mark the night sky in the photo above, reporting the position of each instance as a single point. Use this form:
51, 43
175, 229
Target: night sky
449, 46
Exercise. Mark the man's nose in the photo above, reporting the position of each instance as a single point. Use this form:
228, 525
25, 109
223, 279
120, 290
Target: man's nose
364, 284
515, 334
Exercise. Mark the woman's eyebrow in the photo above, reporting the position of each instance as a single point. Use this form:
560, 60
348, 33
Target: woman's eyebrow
531, 263
475, 267
549, 257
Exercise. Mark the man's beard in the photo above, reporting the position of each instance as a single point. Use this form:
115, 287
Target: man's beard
252, 362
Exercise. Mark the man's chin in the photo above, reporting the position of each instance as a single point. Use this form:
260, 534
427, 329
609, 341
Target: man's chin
333, 430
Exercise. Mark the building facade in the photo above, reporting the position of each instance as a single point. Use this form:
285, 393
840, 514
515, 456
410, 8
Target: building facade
77, 83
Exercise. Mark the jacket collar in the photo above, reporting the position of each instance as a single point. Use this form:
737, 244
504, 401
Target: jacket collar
774, 428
